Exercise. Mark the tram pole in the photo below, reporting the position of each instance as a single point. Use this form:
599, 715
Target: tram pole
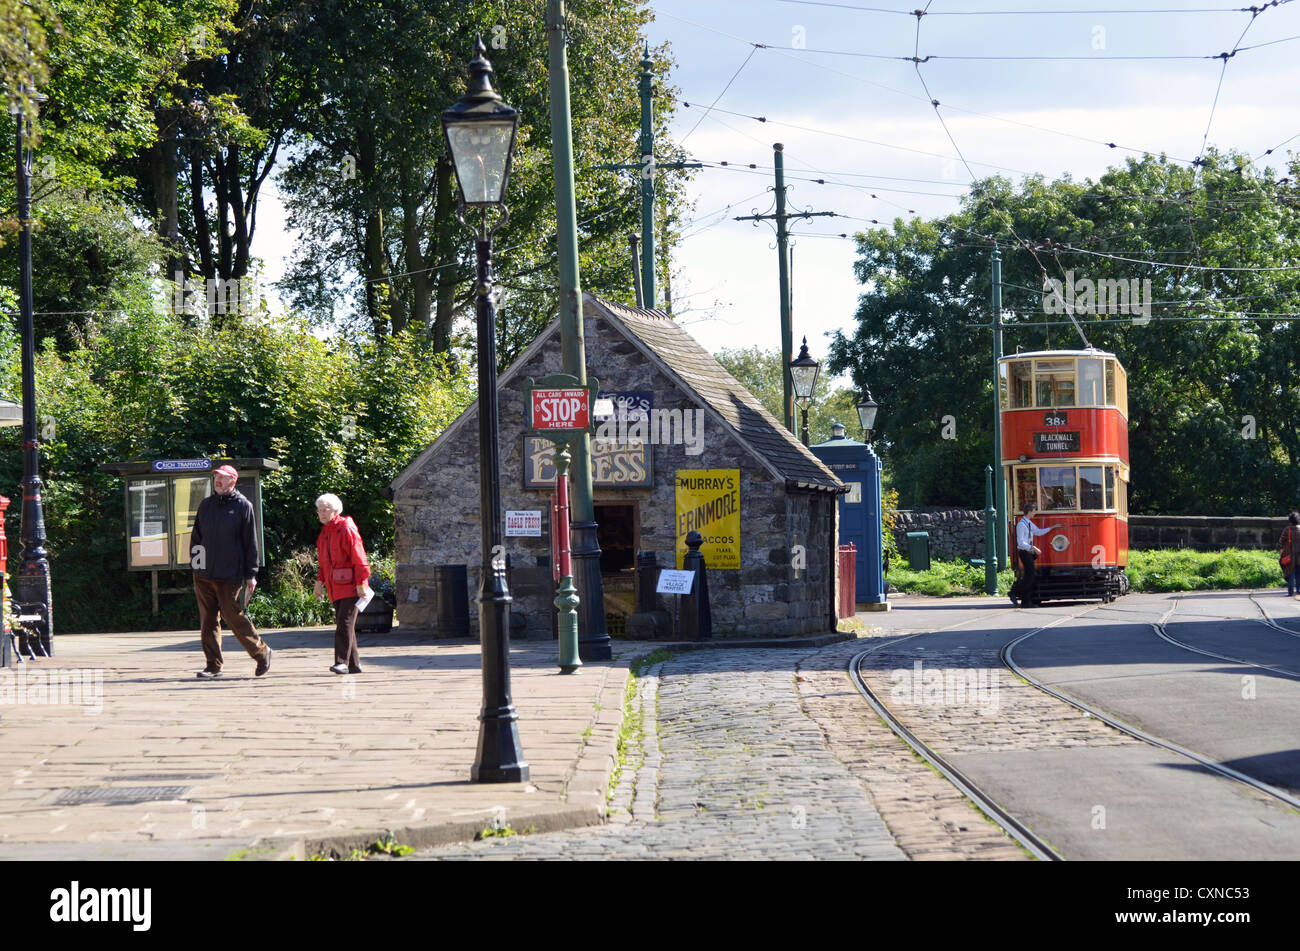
1000, 513
990, 532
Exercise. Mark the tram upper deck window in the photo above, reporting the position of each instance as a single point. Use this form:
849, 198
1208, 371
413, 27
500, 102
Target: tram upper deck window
1054, 382
1016, 384
1092, 390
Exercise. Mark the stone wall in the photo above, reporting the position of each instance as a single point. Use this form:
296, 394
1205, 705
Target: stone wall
437, 515
954, 533
1203, 533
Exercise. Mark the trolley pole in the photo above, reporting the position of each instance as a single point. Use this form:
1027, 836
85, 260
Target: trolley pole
1001, 514
783, 260
990, 531
646, 169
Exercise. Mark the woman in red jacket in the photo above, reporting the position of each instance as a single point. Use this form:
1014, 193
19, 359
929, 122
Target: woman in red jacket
343, 573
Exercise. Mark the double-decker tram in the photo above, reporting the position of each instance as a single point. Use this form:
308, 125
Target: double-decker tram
1064, 419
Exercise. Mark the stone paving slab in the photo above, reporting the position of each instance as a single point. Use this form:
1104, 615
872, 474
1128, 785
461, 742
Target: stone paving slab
298, 761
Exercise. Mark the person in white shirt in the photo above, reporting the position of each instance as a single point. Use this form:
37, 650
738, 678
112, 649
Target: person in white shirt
1026, 588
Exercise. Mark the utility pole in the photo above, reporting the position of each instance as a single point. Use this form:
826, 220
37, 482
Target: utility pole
647, 168
783, 258
593, 641
999, 476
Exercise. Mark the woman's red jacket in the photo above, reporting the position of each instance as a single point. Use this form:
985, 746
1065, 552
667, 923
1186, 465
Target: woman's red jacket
339, 547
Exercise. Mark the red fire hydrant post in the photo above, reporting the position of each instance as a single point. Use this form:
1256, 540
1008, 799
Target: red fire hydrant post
566, 596
7, 658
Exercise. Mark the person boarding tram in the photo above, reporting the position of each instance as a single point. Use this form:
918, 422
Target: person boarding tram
1026, 588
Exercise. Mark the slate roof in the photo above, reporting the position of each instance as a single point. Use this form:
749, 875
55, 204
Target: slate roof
696, 370
679, 356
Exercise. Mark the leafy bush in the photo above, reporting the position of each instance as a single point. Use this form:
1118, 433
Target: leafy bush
1154, 571
1186, 570
946, 578
339, 417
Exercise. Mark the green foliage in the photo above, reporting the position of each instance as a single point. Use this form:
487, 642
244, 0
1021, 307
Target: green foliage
1186, 570
946, 578
1191, 382
148, 387
369, 182
1155, 571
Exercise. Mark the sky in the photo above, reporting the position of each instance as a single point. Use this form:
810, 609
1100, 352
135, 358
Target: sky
867, 124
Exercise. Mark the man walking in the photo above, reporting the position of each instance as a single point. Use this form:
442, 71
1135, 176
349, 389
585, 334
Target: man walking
1026, 589
223, 549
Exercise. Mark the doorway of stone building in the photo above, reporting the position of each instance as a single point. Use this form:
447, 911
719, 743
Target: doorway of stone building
619, 535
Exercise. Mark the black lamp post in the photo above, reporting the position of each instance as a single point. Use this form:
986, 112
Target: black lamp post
803, 376
31, 586
867, 408
480, 132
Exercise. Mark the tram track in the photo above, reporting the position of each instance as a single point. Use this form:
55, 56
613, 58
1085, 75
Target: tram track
1162, 631
984, 802
1227, 772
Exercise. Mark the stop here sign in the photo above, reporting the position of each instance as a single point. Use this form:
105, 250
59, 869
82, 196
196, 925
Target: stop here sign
561, 409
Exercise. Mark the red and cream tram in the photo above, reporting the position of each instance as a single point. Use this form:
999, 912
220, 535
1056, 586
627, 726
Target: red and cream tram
1064, 418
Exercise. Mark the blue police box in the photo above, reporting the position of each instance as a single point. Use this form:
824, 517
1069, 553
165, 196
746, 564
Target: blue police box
858, 467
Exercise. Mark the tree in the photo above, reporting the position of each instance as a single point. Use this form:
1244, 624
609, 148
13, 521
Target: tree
370, 184
1211, 367
759, 371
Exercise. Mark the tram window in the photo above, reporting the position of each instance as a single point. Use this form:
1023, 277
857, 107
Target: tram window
1110, 487
1021, 384
1026, 488
1054, 381
1122, 395
1059, 489
1090, 491
1123, 498
1090, 383
1110, 382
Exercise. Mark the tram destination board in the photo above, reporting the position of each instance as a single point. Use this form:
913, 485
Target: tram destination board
1056, 442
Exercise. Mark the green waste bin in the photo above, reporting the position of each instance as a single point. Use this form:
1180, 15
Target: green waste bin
918, 551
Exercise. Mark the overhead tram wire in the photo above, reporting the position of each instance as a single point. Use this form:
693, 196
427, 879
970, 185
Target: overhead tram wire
992, 13
847, 137
902, 92
738, 71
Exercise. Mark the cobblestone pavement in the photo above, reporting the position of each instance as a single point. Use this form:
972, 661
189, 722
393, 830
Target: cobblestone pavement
733, 769
928, 816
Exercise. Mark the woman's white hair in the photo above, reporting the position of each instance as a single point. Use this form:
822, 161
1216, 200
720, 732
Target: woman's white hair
332, 501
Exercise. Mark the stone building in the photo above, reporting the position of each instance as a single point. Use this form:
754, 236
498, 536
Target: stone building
772, 569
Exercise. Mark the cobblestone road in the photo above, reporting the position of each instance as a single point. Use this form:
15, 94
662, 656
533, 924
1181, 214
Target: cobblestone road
732, 769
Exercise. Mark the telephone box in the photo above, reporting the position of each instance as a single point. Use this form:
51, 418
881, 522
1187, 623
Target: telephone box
858, 467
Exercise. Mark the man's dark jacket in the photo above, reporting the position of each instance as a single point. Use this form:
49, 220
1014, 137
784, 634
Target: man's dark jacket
225, 527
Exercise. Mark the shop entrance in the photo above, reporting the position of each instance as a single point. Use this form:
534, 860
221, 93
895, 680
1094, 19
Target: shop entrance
619, 535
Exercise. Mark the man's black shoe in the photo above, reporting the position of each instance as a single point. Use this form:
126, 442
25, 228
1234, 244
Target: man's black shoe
1014, 603
264, 664
354, 669
208, 673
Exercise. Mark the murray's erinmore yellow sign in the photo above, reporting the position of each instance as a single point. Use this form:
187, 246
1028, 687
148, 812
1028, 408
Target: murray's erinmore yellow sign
708, 502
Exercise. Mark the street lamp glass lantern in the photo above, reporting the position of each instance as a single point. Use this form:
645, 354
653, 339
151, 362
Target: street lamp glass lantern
803, 374
481, 130
867, 408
